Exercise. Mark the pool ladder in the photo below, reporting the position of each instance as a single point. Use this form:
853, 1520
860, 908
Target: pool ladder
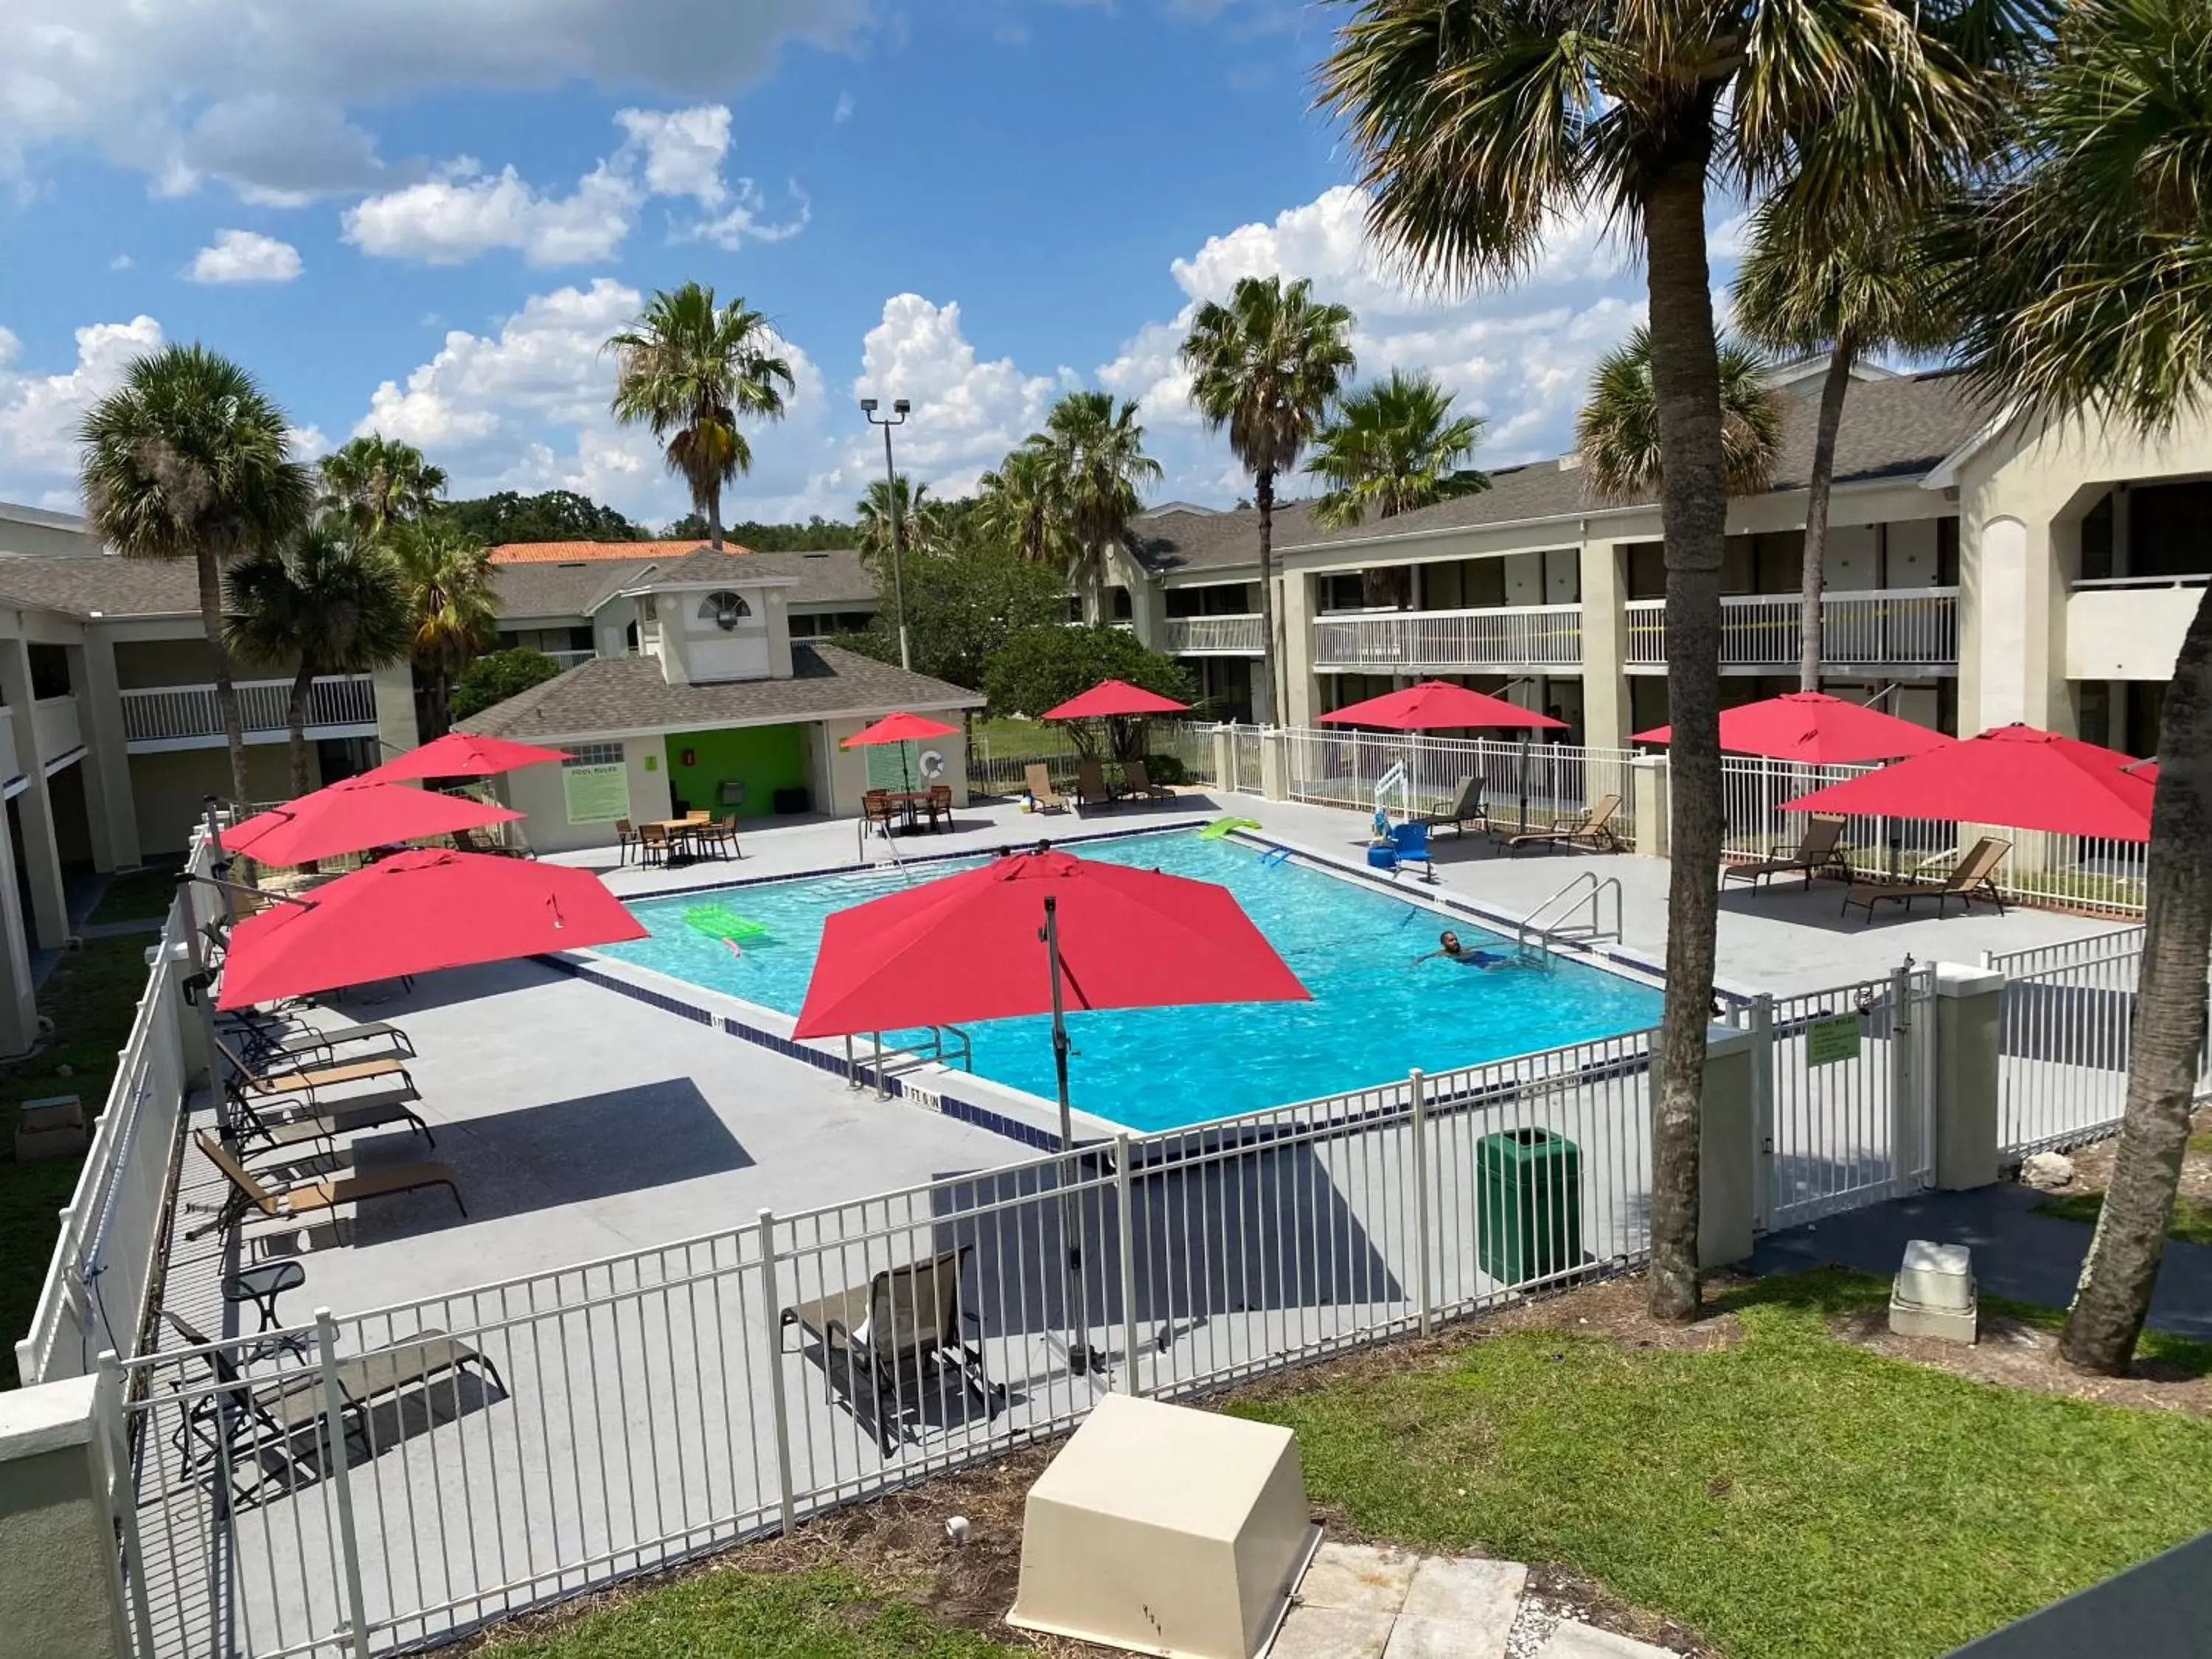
1554, 921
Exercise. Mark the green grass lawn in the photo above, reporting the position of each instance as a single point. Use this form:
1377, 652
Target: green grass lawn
90, 997
821, 1614
1789, 1494
2191, 1223
138, 895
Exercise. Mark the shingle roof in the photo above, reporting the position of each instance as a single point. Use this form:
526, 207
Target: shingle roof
628, 694
578, 588
107, 585
569, 552
702, 566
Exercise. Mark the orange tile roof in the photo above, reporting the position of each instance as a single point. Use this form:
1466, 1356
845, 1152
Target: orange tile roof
570, 552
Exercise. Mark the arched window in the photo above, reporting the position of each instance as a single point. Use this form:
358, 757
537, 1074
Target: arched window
724, 608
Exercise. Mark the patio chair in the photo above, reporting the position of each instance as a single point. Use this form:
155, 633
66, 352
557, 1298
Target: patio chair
1974, 877
307, 1126
891, 1334
270, 1041
1593, 828
306, 1198
653, 843
625, 839
1037, 777
722, 834
1818, 851
1136, 780
877, 807
1466, 808
269, 1416
305, 1080
1092, 788
1408, 844
939, 804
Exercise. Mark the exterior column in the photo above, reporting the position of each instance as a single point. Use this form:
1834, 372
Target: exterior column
1969, 1087
109, 805
1605, 648
19, 1005
1728, 1163
1294, 613
60, 1591
1275, 763
1648, 802
396, 731
34, 806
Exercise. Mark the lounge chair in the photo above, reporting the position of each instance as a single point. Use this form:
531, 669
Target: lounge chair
1136, 780
270, 1043
1092, 788
305, 1080
1974, 877
1592, 828
268, 1416
1820, 853
306, 1124
1466, 808
890, 1332
308, 1197
1038, 776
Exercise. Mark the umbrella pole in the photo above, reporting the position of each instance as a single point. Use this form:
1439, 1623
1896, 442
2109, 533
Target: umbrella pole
1081, 1356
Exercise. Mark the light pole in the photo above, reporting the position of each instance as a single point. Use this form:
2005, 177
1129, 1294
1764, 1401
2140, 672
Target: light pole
899, 408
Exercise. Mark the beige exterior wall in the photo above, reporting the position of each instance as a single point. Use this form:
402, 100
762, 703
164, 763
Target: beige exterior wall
538, 791
43, 541
169, 790
59, 1594
142, 664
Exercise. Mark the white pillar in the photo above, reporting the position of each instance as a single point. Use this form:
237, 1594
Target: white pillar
109, 805
1968, 1084
19, 1005
59, 1590
1605, 648
1648, 803
1728, 1158
1294, 615
34, 806
396, 731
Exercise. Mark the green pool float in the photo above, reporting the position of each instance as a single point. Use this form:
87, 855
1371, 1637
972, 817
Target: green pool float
719, 921
1221, 827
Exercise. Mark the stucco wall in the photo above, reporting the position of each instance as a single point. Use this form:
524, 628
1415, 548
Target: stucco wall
167, 789
57, 1592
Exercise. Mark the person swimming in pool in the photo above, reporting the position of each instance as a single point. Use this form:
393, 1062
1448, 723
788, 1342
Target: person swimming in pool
1451, 947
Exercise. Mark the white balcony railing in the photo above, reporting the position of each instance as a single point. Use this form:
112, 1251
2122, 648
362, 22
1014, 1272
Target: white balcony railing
1888, 628
54, 721
2129, 627
188, 716
1504, 636
1238, 636
568, 660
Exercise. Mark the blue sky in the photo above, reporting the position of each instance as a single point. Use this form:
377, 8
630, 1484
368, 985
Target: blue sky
424, 215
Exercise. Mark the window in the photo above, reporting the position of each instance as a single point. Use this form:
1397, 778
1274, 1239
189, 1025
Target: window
724, 608
593, 754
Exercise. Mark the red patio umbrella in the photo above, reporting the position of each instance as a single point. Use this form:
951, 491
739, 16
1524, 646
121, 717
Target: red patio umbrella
415, 912
2015, 775
1110, 697
354, 814
1815, 727
1438, 703
459, 755
900, 728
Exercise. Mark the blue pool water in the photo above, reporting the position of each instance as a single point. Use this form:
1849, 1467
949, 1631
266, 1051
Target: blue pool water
1374, 1014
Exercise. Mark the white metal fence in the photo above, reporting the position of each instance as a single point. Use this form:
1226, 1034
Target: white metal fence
1342, 768
1894, 627
107, 1262
1001, 771
1528, 637
416, 1469
1237, 636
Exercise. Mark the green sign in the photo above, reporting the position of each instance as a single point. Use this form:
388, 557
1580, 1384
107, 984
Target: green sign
595, 795
1828, 1040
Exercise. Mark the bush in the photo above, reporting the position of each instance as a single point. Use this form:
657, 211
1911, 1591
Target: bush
1040, 668
490, 680
1166, 768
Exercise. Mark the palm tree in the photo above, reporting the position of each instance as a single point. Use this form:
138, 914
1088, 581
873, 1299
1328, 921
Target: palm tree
1618, 437
376, 481
1478, 125
1267, 366
1019, 506
920, 520
1097, 468
1393, 447
692, 371
331, 603
189, 458
452, 611
1847, 284
2083, 282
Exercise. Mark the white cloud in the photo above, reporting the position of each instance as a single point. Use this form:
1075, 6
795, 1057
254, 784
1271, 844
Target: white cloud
745, 220
308, 443
121, 262
844, 111
968, 411
39, 412
266, 96
245, 256
465, 212
683, 149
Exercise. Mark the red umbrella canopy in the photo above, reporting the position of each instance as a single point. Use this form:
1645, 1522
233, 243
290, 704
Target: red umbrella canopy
460, 755
967, 947
2015, 776
1437, 703
355, 814
1114, 697
1816, 728
416, 912
899, 728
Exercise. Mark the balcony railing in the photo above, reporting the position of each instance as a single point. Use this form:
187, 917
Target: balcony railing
1504, 636
188, 716
54, 721
568, 660
2129, 627
1886, 628
1238, 636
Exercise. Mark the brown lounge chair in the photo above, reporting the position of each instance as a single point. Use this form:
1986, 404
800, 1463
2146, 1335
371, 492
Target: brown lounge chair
306, 1080
1038, 776
1136, 780
1974, 877
1466, 808
889, 1335
323, 1192
1592, 828
269, 1415
1820, 853
1092, 788
265, 1131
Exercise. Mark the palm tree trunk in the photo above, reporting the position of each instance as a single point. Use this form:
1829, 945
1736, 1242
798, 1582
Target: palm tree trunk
226, 688
1263, 493
303, 691
2114, 1292
1693, 519
1838, 382
714, 517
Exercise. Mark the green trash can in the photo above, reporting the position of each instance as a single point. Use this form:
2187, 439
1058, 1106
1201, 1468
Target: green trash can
1528, 1205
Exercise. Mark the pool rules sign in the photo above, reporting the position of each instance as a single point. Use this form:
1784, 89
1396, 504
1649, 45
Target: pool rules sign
1830, 1041
595, 795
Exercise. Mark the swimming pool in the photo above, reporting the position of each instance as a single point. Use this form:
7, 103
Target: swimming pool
1374, 1015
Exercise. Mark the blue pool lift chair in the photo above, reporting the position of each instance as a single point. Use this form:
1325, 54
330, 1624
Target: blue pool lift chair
1408, 844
